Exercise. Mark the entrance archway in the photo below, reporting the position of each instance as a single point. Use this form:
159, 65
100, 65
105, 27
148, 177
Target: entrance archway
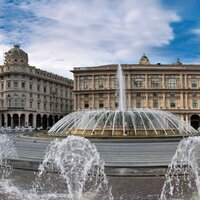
3, 120
30, 120
38, 121
56, 118
50, 120
15, 120
195, 121
44, 121
22, 120
8, 120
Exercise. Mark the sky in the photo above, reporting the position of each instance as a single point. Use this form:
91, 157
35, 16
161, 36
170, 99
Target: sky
61, 34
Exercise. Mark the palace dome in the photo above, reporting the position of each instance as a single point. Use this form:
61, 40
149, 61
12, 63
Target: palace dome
144, 60
16, 56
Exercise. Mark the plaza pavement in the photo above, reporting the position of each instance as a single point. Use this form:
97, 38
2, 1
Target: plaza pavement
116, 153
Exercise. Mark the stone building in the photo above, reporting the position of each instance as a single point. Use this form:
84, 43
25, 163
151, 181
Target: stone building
30, 96
174, 88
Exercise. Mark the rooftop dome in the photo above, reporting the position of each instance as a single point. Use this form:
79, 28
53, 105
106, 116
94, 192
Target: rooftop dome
178, 62
16, 56
144, 60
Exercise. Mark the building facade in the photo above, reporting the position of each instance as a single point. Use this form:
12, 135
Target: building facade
174, 88
30, 96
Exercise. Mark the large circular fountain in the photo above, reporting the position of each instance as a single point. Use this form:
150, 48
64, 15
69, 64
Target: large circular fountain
122, 121
136, 122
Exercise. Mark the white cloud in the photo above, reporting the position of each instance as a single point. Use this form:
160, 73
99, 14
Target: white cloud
91, 32
196, 31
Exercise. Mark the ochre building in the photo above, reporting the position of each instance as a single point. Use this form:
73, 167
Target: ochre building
174, 88
30, 96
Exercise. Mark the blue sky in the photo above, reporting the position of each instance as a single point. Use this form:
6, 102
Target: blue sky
61, 34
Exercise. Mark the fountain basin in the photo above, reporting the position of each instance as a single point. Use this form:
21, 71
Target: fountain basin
122, 123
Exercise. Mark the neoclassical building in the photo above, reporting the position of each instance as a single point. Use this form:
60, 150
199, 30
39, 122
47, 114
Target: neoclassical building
30, 96
174, 88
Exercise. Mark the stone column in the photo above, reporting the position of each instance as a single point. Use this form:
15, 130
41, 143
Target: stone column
181, 100
187, 118
146, 81
93, 99
129, 82
164, 100
108, 82
186, 100
5, 120
185, 85
26, 120
181, 81
129, 100
34, 121
92, 82
78, 83
147, 100
78, 100
163, 81
11, 119
109, 101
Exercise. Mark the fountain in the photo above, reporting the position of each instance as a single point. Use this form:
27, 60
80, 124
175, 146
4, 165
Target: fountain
80, 174
183, 177
121, 122
7, 150
80, 167
80, 170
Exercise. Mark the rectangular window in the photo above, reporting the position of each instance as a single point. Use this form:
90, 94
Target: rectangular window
101, 84
22, 103
8, 84
171, 84
86, 104
45, 89
23, 84
194, 103
155, 103
38, 87
138, 94
31, 95
155, 83
138, 103
137, 84
172, 103
15, 103
85, 84
15, 84
101, 104
31, 104
194, 84
38, 105
30, 86
9, 102
2, 86
45, 106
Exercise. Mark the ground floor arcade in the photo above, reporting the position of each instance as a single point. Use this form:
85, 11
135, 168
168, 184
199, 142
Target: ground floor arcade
23, 119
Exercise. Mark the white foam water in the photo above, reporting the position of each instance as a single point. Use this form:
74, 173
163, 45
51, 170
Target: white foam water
72, 170
183, 176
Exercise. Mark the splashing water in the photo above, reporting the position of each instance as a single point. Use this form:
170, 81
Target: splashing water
137, 122
7, 150
122, 91
183, 177
79, 174
80, 167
